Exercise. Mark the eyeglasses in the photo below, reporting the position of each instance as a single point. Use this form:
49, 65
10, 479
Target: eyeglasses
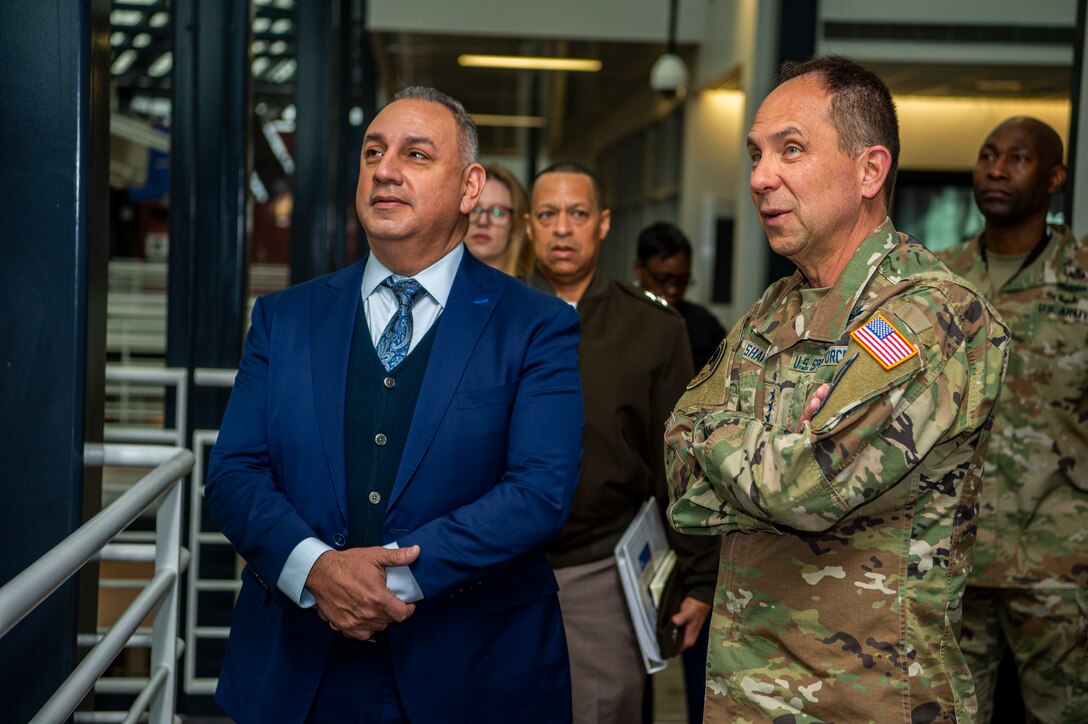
497, 215
672, 281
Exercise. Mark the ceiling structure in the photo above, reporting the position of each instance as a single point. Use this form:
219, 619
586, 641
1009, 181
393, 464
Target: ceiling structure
141, 64
142, 59
565, 103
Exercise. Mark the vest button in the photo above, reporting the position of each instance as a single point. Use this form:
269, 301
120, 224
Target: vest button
389, 382
380, 439
375, 497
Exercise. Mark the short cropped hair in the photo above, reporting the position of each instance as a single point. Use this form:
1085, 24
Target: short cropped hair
662, 239
862, 110
468, 136
575, 167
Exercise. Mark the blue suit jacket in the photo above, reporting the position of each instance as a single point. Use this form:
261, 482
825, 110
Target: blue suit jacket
486, 478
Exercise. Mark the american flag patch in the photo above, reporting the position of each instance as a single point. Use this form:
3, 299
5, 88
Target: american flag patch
884, 342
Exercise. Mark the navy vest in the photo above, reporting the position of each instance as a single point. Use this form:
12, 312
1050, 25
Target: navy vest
378, 410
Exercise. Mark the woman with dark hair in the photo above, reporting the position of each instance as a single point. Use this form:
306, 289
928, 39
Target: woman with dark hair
496, 234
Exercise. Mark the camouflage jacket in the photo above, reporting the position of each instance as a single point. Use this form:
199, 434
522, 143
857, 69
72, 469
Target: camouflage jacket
1031, 527
848, 539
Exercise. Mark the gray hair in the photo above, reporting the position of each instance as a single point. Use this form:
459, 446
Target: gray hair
468, 137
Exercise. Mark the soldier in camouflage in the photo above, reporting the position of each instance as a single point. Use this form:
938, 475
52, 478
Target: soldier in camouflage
1028, 588
836, 437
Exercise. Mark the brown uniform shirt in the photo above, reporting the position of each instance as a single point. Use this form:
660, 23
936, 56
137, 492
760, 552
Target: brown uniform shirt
634, 360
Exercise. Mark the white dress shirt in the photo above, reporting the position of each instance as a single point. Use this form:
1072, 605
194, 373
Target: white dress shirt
379, 305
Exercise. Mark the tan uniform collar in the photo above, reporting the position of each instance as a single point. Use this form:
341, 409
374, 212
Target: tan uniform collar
1053, 264
1057, 263
841, 304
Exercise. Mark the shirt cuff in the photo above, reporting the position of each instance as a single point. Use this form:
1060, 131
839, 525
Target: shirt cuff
401, 582
292, 580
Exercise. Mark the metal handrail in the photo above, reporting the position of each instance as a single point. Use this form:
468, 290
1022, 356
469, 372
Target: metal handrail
24, 592
214, 376
177, 377
31, 587
198, 538
65, 700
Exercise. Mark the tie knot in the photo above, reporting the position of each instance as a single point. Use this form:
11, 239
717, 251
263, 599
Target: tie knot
408, 291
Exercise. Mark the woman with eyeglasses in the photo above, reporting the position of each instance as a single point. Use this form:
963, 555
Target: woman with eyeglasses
496, 234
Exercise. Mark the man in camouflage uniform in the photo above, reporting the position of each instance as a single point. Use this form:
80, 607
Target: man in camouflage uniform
1027, 589
836, 438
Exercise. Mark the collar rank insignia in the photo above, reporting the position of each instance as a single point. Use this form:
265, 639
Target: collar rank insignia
883, 341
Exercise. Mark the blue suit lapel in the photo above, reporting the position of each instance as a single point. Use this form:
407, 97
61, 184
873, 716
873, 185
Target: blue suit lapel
332, 321
473, 298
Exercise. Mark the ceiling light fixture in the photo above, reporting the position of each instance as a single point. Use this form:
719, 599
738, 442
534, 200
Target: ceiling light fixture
669, 76
490, 119
123, 62
162, 65
526, 62
127, 18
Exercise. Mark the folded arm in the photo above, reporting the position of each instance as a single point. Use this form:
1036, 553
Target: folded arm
732, 471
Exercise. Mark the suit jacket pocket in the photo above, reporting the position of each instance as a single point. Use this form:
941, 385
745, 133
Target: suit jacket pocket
487, 396
252, 582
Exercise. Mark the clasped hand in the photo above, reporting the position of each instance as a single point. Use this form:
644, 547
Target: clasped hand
351, 593
819, 397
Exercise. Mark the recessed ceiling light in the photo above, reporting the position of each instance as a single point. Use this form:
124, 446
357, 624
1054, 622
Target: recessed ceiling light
257, 188
126, 17
141, 41
526, 62
159, 20
123, 62
162, 65
283, 71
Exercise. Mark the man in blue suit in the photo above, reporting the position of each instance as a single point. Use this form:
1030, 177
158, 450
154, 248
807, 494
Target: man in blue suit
403, 437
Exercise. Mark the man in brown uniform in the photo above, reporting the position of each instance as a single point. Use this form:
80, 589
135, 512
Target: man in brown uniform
634, 361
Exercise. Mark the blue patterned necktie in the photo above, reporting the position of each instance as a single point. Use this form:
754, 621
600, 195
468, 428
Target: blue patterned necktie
393, 345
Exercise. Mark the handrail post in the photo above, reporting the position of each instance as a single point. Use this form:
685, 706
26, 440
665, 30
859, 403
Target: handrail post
181, 408
164, 630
